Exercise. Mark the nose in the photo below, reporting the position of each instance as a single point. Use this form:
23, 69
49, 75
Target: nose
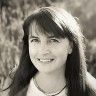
44, 48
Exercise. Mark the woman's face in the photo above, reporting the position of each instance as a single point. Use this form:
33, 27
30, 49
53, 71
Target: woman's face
47, 52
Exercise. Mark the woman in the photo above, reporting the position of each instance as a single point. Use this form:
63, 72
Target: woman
53, 61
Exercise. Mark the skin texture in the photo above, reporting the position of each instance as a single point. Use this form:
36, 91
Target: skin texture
49, 55
43, 51
54, 67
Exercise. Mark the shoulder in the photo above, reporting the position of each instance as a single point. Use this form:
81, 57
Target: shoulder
91, 84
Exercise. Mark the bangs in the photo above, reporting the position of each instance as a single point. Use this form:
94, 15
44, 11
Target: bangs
44, 23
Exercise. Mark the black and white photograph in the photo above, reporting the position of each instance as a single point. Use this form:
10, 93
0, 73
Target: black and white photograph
47, 47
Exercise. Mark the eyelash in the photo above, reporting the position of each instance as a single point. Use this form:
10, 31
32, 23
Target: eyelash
53, 40
34, 40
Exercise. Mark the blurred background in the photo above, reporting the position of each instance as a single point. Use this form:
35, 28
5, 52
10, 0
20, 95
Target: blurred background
12, 15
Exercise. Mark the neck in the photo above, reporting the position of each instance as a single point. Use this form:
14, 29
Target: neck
51, 82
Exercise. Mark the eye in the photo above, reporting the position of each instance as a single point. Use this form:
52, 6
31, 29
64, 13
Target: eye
34, 40
54, 40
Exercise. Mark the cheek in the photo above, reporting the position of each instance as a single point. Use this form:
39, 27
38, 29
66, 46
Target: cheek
32, 51
61, 53
62, 49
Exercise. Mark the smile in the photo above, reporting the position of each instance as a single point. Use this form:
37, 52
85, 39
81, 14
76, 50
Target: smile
45, 60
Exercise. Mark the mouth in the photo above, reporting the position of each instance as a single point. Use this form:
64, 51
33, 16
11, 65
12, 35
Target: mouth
45, 60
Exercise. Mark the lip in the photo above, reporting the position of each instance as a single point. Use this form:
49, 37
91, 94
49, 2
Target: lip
43, 60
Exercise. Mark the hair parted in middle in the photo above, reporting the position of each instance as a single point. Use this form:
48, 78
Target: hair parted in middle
62, 24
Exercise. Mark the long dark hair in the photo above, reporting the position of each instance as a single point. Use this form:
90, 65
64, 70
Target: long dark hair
60, 23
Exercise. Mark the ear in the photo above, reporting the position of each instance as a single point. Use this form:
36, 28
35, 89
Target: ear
70, 47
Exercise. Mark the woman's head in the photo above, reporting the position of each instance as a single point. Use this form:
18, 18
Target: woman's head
43, 49
53, 25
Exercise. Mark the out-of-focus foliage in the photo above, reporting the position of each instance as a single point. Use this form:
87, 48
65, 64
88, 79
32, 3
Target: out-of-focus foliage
12, 15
